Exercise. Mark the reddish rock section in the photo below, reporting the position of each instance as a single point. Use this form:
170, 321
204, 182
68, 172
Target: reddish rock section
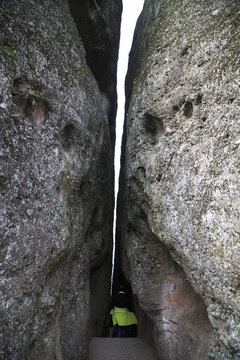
182, 323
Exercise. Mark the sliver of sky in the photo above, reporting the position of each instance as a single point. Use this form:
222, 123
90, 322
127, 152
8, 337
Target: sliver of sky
131, 11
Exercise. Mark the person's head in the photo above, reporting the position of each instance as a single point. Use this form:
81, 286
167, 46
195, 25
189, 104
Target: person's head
121, 290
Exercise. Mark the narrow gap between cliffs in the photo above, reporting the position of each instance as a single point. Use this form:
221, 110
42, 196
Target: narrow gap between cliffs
131, 11
101, 53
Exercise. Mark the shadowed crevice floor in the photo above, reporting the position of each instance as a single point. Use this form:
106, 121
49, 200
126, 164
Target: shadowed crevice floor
120, 349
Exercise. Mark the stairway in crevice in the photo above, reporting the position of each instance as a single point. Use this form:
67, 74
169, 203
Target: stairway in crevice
120, 349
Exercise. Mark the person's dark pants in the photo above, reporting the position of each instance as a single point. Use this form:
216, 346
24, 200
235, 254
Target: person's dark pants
122, 329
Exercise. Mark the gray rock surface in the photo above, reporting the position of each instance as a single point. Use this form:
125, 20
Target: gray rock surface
98, 24
56, 185
178, 211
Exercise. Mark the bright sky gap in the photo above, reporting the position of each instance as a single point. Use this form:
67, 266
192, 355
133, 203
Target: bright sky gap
131, 11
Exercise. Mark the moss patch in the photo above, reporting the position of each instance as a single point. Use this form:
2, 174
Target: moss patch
80, 73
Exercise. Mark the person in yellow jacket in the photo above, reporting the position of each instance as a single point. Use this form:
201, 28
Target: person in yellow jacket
124, 320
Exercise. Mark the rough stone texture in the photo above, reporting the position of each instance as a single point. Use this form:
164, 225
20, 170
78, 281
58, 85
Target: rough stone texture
98, 23
56, 185
179, 198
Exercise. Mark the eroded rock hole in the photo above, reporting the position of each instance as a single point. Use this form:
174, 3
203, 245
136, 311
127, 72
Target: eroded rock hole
188, 109
175, 109
31, 105
3, 183
199, 99
68, 136
26, 107
154, 126
185, 50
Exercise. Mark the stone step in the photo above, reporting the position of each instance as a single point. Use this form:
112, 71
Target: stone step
120, 349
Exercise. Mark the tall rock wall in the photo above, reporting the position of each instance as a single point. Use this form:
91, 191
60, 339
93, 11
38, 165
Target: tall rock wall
178, 210
98, 23
56, 183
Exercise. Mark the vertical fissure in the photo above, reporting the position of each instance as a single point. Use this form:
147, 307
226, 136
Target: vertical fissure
130, 15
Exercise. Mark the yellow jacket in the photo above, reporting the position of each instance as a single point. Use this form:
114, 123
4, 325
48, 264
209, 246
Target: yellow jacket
123, 317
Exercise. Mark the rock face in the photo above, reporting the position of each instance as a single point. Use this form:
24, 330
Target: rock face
56, 184
178, 209
98, 23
